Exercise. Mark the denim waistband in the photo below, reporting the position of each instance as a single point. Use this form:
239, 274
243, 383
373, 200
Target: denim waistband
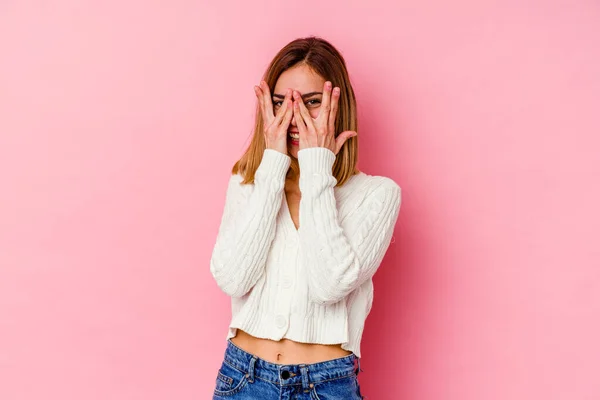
303, 374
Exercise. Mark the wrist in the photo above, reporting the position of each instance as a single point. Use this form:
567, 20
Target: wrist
279, 148
316, 160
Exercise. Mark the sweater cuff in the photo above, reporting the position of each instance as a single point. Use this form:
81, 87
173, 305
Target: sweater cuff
317, 160
274, 164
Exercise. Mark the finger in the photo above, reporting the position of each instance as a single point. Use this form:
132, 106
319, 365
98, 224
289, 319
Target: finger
335, 97
300, 123
341, 139
259, 96
284, 107
287, 118
267, 99
325, 103
307, 118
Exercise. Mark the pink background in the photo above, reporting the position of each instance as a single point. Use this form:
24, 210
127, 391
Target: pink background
120, 120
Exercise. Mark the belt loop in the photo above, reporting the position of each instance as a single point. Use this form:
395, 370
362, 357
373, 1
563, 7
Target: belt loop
250, 374
358, 367
304, 372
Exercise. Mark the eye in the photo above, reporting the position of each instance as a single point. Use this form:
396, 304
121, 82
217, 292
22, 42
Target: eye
277, 103
313, 102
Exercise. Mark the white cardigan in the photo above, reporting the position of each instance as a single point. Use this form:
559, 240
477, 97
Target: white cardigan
314, 284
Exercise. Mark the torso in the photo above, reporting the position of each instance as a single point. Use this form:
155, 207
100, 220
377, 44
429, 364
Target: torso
288, 351
292, 195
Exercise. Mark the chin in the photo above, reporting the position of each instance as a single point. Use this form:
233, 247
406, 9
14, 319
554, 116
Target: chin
292, 150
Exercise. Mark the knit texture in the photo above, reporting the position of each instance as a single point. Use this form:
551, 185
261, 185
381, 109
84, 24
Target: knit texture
312, 284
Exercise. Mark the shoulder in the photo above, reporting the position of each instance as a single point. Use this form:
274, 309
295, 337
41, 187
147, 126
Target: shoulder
236, 185
236, 178
363, 190
370, 184
235, 182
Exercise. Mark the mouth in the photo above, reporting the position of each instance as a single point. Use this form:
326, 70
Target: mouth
294, 138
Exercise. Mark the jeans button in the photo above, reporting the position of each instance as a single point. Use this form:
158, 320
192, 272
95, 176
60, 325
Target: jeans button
285, 374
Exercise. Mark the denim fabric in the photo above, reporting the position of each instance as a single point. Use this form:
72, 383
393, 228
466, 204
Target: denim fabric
243, 376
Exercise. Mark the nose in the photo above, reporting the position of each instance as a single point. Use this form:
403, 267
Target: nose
293, 121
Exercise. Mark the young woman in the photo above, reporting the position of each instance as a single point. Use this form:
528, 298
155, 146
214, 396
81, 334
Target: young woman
303, 232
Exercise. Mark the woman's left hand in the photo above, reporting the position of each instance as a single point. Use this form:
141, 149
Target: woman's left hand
320, 131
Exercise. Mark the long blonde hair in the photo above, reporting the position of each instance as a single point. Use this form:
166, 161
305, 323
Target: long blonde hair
325, 60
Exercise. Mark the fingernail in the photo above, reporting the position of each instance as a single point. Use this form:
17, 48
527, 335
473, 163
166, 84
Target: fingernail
336, 90
328, 85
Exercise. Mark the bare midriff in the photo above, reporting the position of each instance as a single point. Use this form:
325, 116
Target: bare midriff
287, 351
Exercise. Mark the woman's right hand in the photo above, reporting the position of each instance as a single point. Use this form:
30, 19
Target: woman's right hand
275, 126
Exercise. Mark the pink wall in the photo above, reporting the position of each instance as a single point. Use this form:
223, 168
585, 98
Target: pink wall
120, 120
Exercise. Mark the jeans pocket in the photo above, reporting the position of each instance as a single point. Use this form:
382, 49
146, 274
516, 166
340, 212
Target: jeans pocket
340, 388
224, 382
229, 381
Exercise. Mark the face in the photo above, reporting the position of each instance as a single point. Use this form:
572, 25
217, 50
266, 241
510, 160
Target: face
310, 85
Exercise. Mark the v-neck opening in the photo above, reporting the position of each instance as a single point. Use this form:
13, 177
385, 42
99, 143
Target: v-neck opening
288, 215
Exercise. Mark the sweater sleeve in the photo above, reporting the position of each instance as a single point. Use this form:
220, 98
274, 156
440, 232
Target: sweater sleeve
248, 225
340, 257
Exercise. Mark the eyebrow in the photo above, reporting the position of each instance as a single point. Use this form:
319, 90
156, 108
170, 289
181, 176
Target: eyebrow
304, 96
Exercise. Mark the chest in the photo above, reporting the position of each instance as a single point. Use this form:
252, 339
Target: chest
293, 202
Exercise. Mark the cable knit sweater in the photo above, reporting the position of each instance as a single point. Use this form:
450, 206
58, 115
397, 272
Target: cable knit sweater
312, 284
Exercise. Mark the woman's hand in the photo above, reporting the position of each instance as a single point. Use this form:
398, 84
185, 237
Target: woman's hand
275, 126
320, 131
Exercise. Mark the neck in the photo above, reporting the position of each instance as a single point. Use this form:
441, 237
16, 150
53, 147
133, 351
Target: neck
292, 182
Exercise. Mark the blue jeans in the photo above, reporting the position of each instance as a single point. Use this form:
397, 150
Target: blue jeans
244, 376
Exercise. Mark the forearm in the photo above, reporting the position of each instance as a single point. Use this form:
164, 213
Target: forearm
339, 258
248, 228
